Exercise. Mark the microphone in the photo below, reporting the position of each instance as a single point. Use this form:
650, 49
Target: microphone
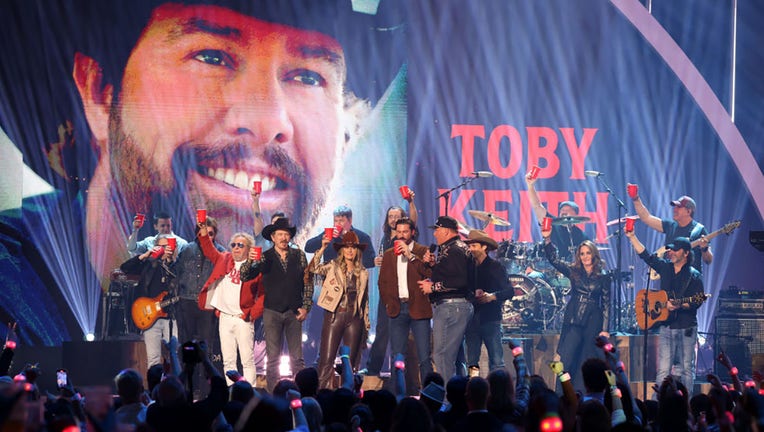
594, 173
433, 247
482, 174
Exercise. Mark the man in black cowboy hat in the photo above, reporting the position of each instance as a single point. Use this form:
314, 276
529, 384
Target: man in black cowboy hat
287, 297
449, 290
491, 289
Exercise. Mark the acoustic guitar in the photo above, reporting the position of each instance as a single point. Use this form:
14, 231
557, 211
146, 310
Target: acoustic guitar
726, 229
657, 306
146, 311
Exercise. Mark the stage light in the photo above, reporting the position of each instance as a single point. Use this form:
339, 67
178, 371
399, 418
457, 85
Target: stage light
90, 337
284, 369
372, 336
701, 340
304, 337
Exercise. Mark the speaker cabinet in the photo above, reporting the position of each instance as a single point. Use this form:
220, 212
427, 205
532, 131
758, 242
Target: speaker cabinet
742, 339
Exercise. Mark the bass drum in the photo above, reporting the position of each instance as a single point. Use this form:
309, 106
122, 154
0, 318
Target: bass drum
534, 305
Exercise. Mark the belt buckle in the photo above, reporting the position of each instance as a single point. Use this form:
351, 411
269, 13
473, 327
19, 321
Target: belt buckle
404, 299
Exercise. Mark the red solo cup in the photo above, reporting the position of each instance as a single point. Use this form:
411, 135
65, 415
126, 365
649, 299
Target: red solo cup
405, 192
398, 246
534, 172
141, 218
257, 253
546, 224
337, 231
629, 227
201, 216
329, 233
257, 186
172, 242
632, 190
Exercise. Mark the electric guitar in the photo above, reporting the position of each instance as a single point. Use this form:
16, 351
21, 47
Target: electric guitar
726, 229
146, 311
657, 306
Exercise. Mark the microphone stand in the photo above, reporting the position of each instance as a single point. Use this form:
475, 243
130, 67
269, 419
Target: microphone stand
447, 194
646, 312
619, 236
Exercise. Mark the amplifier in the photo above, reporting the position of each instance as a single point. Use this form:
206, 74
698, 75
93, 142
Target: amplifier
735, 307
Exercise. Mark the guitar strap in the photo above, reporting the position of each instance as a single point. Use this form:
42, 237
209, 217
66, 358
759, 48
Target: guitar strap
695, 233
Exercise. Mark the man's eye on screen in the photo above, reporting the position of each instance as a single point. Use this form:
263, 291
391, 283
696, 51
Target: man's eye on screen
307, 77
215, 58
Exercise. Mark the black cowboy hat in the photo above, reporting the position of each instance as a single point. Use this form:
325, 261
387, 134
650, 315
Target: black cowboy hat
282, 224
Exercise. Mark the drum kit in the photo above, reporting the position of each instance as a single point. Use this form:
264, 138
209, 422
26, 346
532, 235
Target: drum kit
540, 291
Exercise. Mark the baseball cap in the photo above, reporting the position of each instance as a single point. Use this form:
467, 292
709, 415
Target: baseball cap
445, 222
680, 243
684, 201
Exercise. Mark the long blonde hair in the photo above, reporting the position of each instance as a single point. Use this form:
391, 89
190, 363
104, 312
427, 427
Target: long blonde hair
342, 263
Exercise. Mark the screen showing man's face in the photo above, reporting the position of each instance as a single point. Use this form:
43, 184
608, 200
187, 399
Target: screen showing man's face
213, 100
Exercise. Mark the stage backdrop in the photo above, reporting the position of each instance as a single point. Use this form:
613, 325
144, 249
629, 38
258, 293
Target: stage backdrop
109, 109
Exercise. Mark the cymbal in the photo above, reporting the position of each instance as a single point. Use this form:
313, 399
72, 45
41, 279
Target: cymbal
488, 217
570, 220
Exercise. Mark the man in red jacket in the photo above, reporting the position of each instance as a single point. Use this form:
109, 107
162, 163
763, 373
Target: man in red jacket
237, 304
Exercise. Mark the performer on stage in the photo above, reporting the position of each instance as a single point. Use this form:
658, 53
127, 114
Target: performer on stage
288, 297
155, 268
345, 298
449, 290
162, 225
382, 330
678, 335
343, 217
238, 303
403, 303
682, 224
566, 238
587, 312
491, 290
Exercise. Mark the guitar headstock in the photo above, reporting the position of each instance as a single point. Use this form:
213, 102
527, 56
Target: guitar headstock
732, 226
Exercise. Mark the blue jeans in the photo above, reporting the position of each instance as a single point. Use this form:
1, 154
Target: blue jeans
279, 326
488, 333
449, 321
378, 349
399, 337
677, 346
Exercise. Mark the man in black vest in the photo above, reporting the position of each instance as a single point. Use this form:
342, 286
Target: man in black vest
287, 297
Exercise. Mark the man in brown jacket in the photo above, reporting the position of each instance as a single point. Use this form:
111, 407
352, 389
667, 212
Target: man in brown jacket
406, 305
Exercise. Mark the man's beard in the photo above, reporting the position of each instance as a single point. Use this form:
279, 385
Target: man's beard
138, 186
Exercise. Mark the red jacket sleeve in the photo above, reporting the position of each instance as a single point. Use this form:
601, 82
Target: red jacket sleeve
252, 299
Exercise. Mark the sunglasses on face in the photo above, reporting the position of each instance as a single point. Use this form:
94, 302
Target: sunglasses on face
238, 244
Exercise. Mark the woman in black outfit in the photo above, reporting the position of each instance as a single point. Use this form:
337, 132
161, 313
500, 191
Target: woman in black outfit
586, 314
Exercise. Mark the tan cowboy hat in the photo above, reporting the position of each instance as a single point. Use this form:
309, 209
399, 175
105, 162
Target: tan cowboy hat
349, 239
479, 236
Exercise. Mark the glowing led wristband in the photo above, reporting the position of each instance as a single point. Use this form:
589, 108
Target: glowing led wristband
733, 371
295, 403
517, 351
564, 377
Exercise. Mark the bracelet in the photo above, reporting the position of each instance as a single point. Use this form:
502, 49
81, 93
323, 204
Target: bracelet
345, 356
564, 377
620, 365
295, 403
733, 370
517, 351
400, 364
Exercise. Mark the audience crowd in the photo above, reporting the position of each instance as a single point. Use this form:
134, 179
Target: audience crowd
503, 401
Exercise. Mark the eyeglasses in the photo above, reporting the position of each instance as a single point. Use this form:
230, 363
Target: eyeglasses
239, 245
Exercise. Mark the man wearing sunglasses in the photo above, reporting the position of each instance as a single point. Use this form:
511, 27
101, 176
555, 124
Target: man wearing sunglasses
237, 304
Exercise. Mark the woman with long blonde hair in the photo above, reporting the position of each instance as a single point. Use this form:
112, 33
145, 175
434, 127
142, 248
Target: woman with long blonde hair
345, 297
